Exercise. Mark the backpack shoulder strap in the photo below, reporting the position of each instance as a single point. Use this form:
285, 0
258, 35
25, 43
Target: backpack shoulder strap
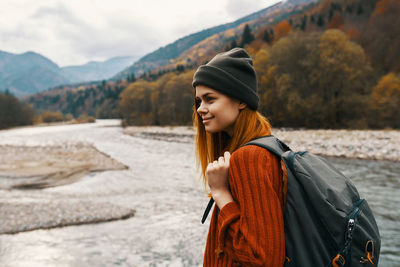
272, 144
278, 148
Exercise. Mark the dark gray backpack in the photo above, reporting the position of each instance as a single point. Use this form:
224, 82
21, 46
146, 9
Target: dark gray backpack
326, 222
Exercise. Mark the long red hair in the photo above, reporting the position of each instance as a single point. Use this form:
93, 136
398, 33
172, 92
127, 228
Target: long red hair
250, 124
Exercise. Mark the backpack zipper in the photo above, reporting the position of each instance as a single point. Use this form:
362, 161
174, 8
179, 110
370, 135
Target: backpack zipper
351, 225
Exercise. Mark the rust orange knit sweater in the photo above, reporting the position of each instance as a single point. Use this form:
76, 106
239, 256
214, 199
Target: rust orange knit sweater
249, 231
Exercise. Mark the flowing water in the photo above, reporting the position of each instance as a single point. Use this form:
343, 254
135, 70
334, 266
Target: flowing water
161, 184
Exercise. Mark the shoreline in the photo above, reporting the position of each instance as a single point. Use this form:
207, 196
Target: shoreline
38, 167
26, 168
358, 144
34, 168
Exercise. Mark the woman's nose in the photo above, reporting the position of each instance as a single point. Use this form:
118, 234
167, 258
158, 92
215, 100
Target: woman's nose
201, 109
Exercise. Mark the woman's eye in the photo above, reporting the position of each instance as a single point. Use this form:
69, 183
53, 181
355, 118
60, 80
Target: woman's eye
198, 103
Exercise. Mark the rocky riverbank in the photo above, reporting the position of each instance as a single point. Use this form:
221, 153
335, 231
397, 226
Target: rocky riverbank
35, 167
38, 167
362, 144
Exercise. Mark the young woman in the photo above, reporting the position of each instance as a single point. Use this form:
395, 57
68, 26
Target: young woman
246, 183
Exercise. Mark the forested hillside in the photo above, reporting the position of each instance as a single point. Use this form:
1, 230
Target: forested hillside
334, 64
165, 55
96, 99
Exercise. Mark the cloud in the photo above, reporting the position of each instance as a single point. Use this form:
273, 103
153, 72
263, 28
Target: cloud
76, 31
59, 12
241, 8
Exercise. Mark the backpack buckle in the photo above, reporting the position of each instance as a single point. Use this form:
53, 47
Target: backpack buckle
338, 261
369, 253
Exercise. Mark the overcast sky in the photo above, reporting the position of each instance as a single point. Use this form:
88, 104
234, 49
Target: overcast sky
73, 32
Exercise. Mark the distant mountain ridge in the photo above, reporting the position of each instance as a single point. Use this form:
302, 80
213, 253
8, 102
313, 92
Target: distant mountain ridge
30, 72
95, 70
45, 74
163, 55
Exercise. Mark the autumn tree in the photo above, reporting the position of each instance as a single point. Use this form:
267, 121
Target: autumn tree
343, 72
385, 102
52, 116
282, 29
336, 21
382, 40
13, 112
315, 80
176, 102
167, 100
135, 103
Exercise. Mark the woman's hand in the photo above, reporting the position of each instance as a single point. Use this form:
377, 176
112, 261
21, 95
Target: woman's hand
217, 177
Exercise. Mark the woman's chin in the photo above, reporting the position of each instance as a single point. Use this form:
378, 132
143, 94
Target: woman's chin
210, 130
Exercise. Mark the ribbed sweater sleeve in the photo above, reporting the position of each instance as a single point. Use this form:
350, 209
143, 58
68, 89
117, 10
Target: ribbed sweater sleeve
250, 231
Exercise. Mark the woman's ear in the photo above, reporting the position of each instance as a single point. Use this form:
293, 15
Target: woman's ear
242, 105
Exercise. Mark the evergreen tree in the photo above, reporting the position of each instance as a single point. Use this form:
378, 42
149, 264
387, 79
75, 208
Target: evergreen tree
349, 9
303, 24
312, 19
233, 44
360, 9
321, 21
247, 36
131, 77
180, 68
267, 37
330, 14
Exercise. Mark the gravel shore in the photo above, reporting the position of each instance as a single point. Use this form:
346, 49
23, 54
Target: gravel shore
37, 167
362, 144
21, 217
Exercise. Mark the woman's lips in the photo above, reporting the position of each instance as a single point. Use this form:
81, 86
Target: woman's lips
207, 120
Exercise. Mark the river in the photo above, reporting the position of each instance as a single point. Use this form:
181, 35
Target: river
161, 185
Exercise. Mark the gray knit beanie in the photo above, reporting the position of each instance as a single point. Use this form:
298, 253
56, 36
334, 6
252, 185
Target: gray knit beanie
231, 73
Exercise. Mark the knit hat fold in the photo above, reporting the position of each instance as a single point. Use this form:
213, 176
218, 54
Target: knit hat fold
231, 73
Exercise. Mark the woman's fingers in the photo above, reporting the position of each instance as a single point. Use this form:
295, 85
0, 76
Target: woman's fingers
227, 157
221, 162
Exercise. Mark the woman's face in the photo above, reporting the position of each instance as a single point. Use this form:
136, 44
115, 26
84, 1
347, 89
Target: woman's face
218, 111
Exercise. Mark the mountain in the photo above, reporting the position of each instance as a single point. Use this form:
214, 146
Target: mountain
169, 53
164, 55
95, 70
30, 72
